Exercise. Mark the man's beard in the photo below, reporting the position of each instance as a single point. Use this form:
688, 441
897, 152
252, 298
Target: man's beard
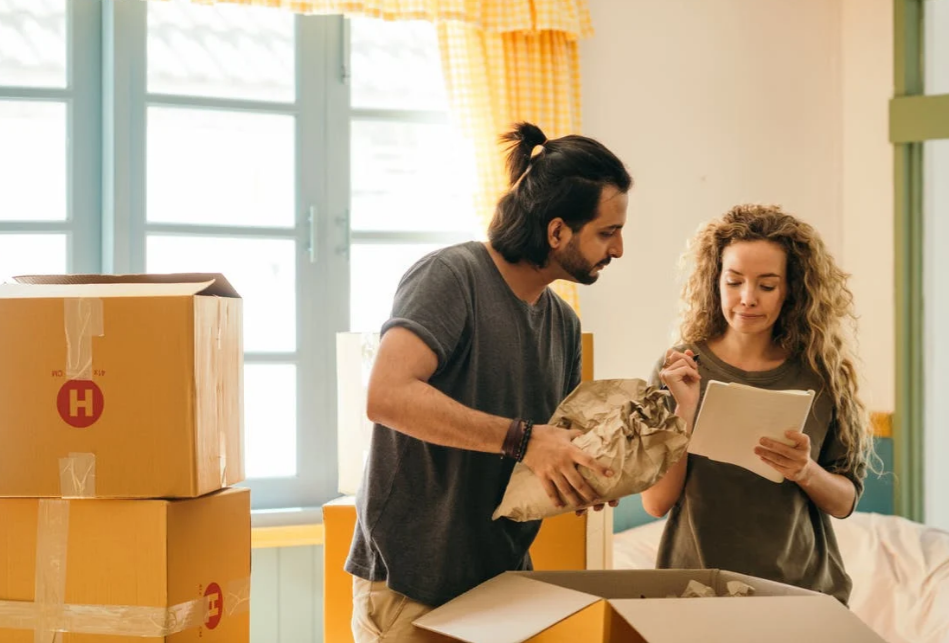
576, 265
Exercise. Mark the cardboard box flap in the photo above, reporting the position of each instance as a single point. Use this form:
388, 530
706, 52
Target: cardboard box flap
777, 619
509, 608
196, 283
657, 583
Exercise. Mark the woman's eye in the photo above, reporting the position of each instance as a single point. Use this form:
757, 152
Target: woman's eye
767, 288
732, 283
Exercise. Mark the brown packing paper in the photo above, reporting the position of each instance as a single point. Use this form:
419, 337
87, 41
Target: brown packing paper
627, 426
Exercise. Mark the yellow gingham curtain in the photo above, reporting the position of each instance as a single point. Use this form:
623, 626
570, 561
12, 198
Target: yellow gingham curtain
504, 61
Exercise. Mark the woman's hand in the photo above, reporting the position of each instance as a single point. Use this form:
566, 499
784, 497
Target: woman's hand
680, 374
793, 462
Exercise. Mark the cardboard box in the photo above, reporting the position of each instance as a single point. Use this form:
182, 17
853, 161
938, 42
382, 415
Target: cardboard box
565, 542
632, 606
137, 570
120, 386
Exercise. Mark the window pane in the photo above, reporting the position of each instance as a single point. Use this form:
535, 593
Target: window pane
32, 254
396, 65
936, 320
220, 168
270, 420
936, 39
375, 272
33, 43
32, 161
411, 176
223, 51
262, 270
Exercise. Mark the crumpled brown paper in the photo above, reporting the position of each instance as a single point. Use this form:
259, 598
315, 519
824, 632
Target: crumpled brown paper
627, 427
696, 589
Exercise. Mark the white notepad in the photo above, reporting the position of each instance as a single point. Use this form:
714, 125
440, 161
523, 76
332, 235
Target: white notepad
734, 417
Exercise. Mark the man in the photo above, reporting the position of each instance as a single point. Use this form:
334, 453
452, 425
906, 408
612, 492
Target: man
478, 348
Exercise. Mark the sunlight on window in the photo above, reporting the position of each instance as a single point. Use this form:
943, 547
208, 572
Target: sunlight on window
33, 43
223, 51
412, 174
32, 161
31, 254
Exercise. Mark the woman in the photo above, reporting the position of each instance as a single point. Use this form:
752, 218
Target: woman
766, 306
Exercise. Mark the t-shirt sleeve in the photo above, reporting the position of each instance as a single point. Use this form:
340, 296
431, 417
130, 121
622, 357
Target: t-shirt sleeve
432, 302
576, 369
833, 457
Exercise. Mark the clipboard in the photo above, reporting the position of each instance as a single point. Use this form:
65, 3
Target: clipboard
734, 417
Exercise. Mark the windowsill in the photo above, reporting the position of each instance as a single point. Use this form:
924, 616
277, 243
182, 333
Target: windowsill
291, 527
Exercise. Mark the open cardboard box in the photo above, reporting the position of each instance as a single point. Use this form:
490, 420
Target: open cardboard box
632, 606
120, 386
565, 542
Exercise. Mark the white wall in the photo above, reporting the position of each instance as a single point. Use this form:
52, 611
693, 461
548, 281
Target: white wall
867, 179
711, 104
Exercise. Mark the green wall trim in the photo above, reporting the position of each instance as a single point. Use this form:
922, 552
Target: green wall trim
912, 119
919, 118
908, 417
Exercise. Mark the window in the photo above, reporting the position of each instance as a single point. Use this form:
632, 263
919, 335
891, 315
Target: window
42, 206
920, 133
308, 158
412, 175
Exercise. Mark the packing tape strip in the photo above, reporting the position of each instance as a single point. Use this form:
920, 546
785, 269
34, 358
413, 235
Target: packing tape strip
49, 614
77, 475
83, 319
223, 319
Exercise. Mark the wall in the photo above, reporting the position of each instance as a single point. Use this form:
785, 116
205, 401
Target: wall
287, 595
867, 181
716, 103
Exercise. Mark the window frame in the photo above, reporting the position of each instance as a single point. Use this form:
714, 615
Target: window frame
107, 227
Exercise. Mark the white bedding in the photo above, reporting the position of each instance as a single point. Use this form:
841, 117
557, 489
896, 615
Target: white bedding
900, 572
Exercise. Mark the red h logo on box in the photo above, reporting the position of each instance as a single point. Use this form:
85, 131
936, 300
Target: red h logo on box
80, 403
215, 598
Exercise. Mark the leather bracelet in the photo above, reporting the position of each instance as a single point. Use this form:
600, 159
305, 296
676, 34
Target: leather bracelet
515, 434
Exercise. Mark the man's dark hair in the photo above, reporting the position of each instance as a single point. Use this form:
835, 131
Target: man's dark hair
560, 178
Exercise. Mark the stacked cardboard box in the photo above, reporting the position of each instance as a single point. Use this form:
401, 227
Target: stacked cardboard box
120, 438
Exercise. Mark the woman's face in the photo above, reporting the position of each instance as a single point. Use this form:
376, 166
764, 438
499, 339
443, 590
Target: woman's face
753, 285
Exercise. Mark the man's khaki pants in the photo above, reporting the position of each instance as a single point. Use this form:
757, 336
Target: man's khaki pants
379, 614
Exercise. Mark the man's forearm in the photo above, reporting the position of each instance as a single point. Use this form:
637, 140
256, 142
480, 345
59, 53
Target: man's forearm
420, 410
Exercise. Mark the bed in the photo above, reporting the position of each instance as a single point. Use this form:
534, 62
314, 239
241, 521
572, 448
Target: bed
900, 572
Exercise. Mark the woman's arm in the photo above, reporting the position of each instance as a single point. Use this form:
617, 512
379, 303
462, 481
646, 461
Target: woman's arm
662, 496
679, 373
833, 493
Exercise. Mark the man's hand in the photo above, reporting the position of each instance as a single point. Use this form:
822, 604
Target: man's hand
598, 507
553, 458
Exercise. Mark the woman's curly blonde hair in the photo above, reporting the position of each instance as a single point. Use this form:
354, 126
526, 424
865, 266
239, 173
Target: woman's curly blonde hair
812, 321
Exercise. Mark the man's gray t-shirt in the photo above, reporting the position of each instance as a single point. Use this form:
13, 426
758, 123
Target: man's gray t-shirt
424, 511
730, 518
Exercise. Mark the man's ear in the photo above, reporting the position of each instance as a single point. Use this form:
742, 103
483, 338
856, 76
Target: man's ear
558, 233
